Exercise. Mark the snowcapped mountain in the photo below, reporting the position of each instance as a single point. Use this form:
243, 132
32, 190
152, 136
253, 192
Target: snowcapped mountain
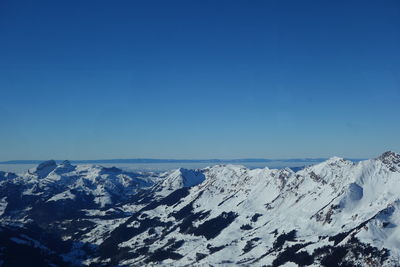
334, 213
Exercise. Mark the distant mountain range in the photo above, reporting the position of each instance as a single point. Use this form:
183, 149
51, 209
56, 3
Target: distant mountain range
146, 160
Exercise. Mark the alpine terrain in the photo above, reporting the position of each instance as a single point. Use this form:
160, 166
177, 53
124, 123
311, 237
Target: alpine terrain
335, 213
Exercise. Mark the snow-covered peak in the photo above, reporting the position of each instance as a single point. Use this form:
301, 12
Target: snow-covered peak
46, 164
391, 159
333, 171
190, 177
389, 156
335, 162
44, 168
110, 170
66, 163
334, 159
225, 176
64, 167
179, 178
96, 184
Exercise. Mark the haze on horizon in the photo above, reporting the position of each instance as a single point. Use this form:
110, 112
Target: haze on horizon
199, 79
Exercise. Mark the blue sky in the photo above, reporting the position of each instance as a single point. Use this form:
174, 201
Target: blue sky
198, 79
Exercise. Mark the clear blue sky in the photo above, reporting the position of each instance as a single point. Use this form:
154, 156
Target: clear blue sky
199, 79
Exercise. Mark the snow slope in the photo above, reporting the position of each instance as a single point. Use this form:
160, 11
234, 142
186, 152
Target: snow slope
260, 216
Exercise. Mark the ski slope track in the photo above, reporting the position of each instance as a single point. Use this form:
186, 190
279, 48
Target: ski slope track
335, 213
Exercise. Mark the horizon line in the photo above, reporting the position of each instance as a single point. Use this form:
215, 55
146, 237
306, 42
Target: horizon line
155, 160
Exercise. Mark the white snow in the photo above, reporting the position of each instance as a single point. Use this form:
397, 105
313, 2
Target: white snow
318, 202
64, 195
321, 200
3, 205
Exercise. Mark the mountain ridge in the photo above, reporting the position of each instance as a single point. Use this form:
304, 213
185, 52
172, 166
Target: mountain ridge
333, 212
150, 160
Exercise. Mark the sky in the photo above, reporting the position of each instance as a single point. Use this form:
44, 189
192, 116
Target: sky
199, 79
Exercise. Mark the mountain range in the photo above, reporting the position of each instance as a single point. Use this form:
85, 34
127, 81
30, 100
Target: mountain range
334, 213
149, 160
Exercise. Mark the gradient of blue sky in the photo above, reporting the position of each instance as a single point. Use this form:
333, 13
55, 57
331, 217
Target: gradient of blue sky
198, 79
